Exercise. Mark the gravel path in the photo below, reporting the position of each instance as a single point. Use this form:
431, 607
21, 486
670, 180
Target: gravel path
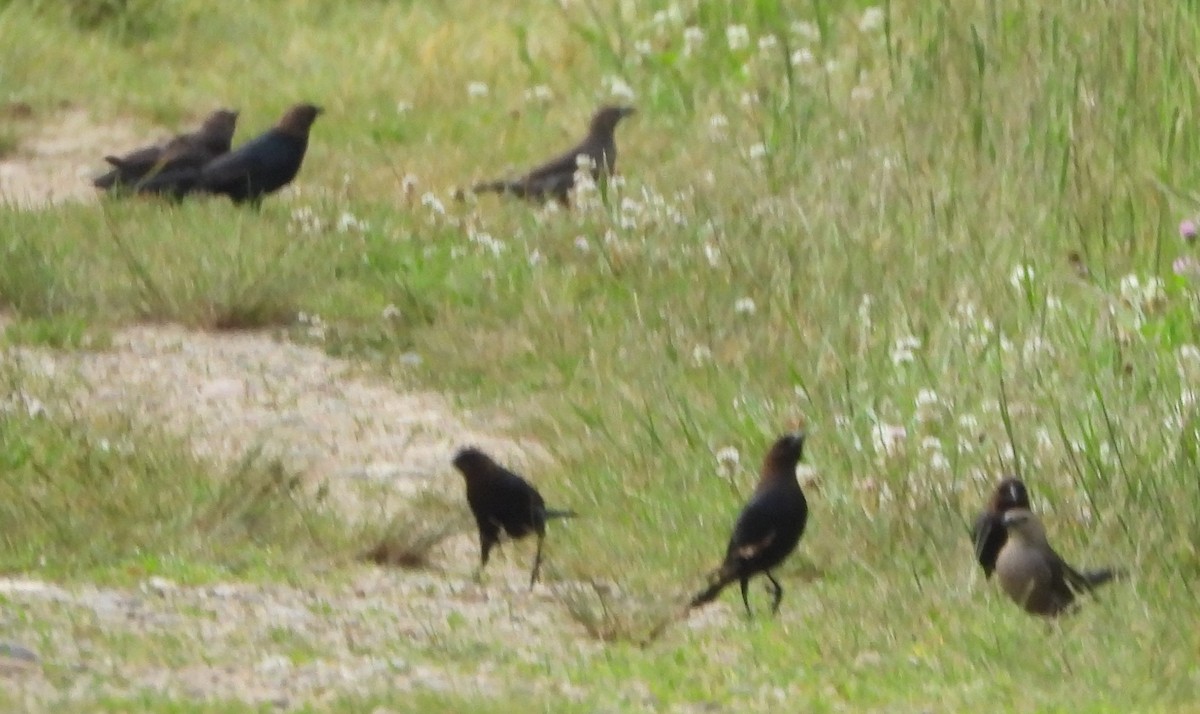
285, 645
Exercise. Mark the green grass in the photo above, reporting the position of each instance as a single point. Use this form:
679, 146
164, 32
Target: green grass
875, 215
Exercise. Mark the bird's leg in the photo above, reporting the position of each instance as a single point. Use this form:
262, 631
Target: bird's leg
776, 593
746, 596
537, 562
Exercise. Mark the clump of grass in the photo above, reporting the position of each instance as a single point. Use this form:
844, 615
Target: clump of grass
127, 20
10, 141
64, 332
87, 495
411, 536
609, 615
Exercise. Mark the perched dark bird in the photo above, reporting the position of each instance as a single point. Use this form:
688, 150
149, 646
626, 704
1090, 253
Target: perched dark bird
1033, 575
988, 534
502, 500
183, 154
556, 177
263, 164
768, 528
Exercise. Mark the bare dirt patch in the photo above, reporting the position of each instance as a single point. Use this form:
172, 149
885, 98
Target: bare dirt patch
284, 645
229, 393
57, 158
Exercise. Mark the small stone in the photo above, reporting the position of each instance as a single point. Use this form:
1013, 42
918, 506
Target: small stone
16, 659
158, 585
13, 650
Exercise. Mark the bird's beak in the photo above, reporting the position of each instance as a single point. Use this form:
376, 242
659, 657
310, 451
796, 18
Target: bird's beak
628, 111
320, 110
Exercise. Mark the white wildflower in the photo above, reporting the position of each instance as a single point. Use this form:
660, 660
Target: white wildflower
728, 459
738, 37
889, 439
1021, 276
805, 30
433, 203
349, 222
539, 93
903, 349
802, 57
618, 88
871, 20
744, 306
476, 90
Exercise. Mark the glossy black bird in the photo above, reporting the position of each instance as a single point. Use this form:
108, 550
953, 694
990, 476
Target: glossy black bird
501, 500
768, 528
1033, 574
182, 154
265, 163
556, 177
989, 533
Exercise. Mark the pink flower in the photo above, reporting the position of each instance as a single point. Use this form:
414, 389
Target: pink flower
1186, 266
1187, 230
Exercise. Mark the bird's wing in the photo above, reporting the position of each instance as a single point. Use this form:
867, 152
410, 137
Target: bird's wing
563, 165
756, 529
988, 535
142, 159
233, 166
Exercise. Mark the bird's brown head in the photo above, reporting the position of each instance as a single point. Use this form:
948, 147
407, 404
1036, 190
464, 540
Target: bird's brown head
472, 462
605, 120
1010, 493
783, 456
299, 119
221, 122
1023, 525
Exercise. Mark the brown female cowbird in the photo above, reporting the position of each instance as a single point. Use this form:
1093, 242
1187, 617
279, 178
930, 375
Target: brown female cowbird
768, 528
502, 500
184, 153
263, 164
556, 177
988, 534
1033, 575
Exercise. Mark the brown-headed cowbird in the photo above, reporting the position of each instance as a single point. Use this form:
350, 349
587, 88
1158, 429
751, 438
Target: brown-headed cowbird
263, 164
556, 177
501, 500
1033, 575
988, 534
183, 154
768, 528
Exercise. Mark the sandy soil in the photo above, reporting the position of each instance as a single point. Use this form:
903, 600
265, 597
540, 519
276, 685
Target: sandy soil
58, 157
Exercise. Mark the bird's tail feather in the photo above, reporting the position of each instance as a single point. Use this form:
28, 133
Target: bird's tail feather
492, 187
718, 582
1100, 576
559, 513
108, 180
